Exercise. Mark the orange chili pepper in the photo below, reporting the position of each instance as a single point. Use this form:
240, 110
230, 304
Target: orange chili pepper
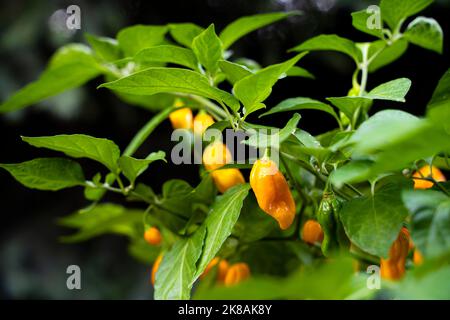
236, 274
153, 236
312, 232
426, 172
393, 268
156, 267
215, 156
272, 192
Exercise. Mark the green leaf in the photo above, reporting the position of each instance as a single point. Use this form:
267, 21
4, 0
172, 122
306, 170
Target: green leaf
395, 12
381, 129
133, 168
438, 109
233, 71
353, 171
426, 33
176, 272
220, 222
394, 90
330, 42
348, 105
430, 221
389, 54
157, 80
208, 49
299, 72
360, 20
70, 67
105, 48
168, 54
373, 223
433, 285
261, 139
255, 88
253, 223
47, 173
184, 33
101, 219
300, 103
80, 146
332, 280
242, 26
136, 38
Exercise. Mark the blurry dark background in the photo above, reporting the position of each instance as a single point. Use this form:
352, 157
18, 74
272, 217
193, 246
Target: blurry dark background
32, 262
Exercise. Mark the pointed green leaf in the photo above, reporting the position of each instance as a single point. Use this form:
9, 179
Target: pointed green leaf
176, 273
300, 103
105, 48
80, 146
184, 33
373, 223
394, 90
168, 54
157, 80
330, 42
438, 109
299, 72
70, 67
220, 222
101, 219
255, 88
430, 221
133, 168
233, 71
348, 105
136, 38
208, 49
47, 173
242, 26
426, 33
395, 12
388, 54
360, 21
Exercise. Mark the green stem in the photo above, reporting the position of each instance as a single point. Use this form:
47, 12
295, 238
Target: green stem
146, 130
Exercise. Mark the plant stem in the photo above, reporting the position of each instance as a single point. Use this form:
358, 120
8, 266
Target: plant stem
146, 130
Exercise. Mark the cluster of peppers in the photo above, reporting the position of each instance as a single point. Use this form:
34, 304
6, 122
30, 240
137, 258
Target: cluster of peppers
274, 197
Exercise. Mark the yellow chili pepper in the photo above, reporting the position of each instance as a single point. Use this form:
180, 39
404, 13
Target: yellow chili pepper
393, 268
237, 273
216, 156
426, 172
201, 122
312, 232
272, 192
417, 257
182, 119
155, 267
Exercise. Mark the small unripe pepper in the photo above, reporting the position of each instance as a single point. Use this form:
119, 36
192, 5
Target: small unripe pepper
393, 268
201, 122
328, 217
182, 119
272, 192
155, 267
215, 156
426, 172
153, 236
237, 273
312, 232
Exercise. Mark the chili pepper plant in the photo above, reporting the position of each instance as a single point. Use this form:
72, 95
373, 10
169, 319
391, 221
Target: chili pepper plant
371, 192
